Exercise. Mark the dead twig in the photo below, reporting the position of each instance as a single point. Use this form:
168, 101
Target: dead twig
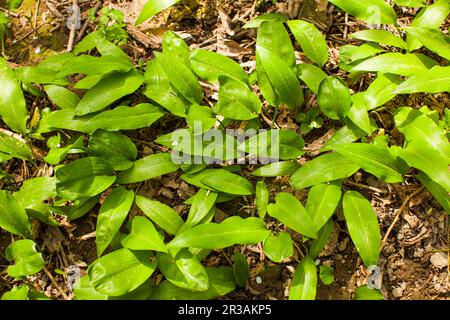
73, 26
52, 279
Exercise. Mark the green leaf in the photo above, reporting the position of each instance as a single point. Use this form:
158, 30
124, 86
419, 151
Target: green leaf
262, 198
282, 168
371, 11
432, 16
279, 247
13, 110
349, 54
334, 98
16, 293
411, 4
366, 293
147, 168
380, 91
435, 80
164, 216
39, 75
272, 17
181, 77
166, 96
311, 40
115, 148
84, 178
325, 168
203, 202
13, 217
183, 270
14, 147
174, 45
436, 190
221, 282
281, 77
27, 260
311, 75
236, 100
84, 290
304, 283
397, 63
143, 236
125, 118
90, 65
274, 38
78, 209
62, 97
288, 210
432, 39
36, 190
227, 182
241, 269
121, 271
210, 66
362, 224
232, 231
326, 275
111, 216
380, 37
318, 244
323, 200
347, 134
13, 5
153, 7
358, 113
377, 160
108, 91
202, 115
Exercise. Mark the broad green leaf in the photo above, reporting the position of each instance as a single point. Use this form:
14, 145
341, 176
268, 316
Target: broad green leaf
347, 134
209, 65
323, 200
304, 283
435, 80
153, 7
84, 178
279, 247
311, 41
318, 244
166, 96
13, 217
221, 282
362, 224
256, 22
27, 260
13, 5
200, 118
121, 271
204, 201
143, 236
154, 73
288, 210
350, 54
334, 98
282, 78
90, 81
217, 236
311, 75
282, 168
16, 293
175, 46
125, 118
111, 216
411, 4
432, 16
380, 37
79, 208
432, 39
36, 190
84, 290
13, 110
274, 38
164, 216
95, 65
418, 128
436, 190
325, 168
236, 100
61, 119
366, 293
147, 168
262, 198
397, 63
326, 275
227, 182
377, 160
183, 270
371, 11
57, 153
39, 75
358, 113
14, 147
108, 91
181, 77
97, 39
380, 90
241, 269
117, 149
264, 84
62, 97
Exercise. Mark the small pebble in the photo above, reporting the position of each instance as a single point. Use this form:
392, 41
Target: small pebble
397, 292
439, 260
258, 280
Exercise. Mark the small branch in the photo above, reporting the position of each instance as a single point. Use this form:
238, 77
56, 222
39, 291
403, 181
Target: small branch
60, 290
73, 27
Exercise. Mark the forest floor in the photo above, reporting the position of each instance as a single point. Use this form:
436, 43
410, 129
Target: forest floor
414, 257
